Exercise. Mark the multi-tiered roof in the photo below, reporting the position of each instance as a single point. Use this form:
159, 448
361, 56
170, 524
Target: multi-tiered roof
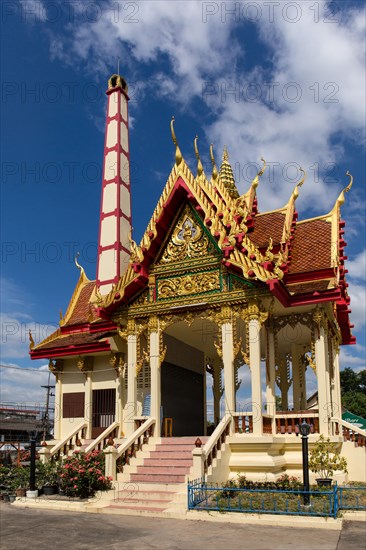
299, 262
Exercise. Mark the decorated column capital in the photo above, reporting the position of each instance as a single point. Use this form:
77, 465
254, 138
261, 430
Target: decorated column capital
254, 312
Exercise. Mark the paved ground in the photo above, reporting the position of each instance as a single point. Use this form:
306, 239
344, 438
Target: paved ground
24, 528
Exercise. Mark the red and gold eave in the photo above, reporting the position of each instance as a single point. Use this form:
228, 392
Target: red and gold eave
81, 332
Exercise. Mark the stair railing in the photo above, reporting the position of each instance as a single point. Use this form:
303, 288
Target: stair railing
118, 458
65, 445
349, 431
203, 457
104, 439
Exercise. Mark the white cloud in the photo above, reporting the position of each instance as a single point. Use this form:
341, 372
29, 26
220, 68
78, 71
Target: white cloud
357, 267
14, 334
183, 50
348, 359
23, 387
357, 293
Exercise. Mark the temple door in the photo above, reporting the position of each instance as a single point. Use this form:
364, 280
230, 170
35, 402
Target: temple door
104, 410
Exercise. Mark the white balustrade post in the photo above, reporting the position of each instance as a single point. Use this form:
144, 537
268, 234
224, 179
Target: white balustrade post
44, 455
110, 462
198, 470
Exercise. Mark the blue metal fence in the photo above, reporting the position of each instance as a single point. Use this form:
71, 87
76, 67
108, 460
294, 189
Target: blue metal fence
352, 498
317, 502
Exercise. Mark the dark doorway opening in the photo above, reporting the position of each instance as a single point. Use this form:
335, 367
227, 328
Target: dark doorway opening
104, 410
182, 399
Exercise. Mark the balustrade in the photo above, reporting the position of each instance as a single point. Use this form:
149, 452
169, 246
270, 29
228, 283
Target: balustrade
287, 422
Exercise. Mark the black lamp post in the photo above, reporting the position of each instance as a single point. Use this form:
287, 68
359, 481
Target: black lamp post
305, 430
32, 470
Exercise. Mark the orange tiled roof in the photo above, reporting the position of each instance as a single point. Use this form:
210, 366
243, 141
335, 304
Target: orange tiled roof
267, 225
311, 248
74, 339
82, 311
310, 286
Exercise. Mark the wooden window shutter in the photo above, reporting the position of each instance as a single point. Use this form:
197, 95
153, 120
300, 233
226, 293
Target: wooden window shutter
73, 405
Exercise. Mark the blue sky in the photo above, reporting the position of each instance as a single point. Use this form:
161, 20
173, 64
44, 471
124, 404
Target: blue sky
283, 81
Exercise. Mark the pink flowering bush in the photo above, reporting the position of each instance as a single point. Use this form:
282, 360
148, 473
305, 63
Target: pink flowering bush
81, 475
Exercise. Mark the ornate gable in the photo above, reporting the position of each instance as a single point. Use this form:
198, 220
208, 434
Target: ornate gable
189, 241
189, 261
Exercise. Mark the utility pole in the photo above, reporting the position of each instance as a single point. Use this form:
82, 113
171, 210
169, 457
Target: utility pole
45, 421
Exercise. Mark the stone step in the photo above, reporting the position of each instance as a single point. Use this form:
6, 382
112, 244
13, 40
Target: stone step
137, 502
179, 470
154, 495
143, 485
157, 478
166, 455
168, 462
174, 448
188, 440
136, 508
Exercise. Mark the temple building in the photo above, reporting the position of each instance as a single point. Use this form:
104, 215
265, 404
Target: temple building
214, 288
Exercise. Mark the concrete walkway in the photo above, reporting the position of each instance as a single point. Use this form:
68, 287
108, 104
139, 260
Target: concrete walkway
44, 529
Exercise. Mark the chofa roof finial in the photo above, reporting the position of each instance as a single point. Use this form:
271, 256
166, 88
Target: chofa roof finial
199, 163
214, 167
341, 197
178, 154
255, 182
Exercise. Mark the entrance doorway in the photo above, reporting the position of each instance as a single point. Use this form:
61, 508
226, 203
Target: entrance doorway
104, 410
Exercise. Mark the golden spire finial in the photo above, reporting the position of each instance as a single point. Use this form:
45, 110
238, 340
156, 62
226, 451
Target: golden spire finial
255, 182
31, 341
82, 271
226, 175
341, 197
178, 154
199, 163
214, 167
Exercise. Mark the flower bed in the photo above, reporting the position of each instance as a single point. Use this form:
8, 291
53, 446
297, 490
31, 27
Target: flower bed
81, 475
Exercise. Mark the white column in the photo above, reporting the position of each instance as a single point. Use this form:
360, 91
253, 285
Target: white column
119, 401
88, 405
216, 390
228, 361
271, 375
204, 398
303, 398
296, 387
129, 421
337, 401
58, 408
255, 367
321, 368
155, 377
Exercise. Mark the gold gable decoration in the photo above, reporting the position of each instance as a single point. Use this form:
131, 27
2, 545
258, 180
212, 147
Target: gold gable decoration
188, 240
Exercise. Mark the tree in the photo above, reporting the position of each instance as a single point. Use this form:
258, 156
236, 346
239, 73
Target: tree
353, 389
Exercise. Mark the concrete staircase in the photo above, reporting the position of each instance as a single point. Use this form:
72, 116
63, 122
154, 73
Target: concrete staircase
155, 482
